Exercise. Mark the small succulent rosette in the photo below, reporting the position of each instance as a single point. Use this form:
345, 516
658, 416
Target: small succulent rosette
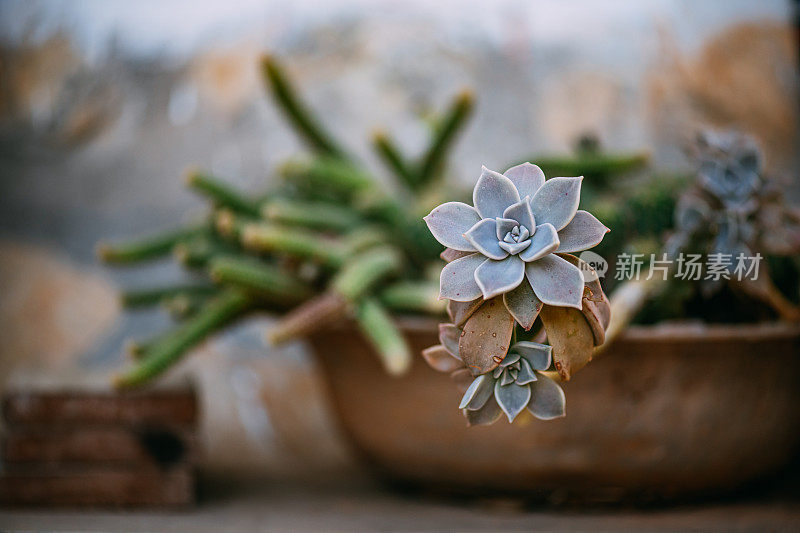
511, 274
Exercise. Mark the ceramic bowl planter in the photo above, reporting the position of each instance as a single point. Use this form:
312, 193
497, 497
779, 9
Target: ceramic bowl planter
667, 411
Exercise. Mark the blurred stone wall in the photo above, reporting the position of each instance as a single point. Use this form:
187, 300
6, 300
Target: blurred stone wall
102, 105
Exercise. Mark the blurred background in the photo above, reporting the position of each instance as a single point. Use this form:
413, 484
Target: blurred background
104, 104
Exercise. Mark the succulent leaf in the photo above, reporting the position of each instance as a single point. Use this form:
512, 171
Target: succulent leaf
450, 221
583, 232
493, 193
459, 312
527, 178
521, 212
557, 201
486, 415
570, 336
449, 255
483, 237
555, 281
479, 391
457, 281
544, 241
523, 305
448, 336
547, 399
486, 337
497, 277
439, 358
512, 398
526, 374
538, 355
462, 378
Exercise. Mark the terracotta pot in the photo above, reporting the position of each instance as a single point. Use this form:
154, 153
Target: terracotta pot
666, 411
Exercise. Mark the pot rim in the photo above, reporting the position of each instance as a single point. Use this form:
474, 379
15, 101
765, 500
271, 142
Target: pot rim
679, 330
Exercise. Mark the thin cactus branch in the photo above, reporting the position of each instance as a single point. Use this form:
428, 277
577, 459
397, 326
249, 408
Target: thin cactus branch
298, 114
454, 119
296, 242
379, 328
393, 159
362, 272
145, 297
153, 247
414, 297
161, 355
266, 281
319, 215
222, 194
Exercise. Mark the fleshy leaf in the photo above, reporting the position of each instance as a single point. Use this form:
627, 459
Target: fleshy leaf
459, 312
493, 193
483, 236
497, 277
538, 355
527, 178
450, 221
555, 281
506, 378
571, 338
504, 225
521, 212
449, 255
488, 414
583, 232
523, 305
557, 201
544, 241
510, 359
440, 359
457, 281
512, 398
462, 378
547, 399
486, 336
596, 307
514, 248
448, 336
480, 390
526, 373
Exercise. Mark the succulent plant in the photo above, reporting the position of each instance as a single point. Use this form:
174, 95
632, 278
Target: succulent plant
517, 223
507, 265
516, 384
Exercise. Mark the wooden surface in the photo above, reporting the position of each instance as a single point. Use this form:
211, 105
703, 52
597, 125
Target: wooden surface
345, 506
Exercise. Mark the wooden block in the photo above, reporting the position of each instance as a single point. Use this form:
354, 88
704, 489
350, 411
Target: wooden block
167, 407
150, 445
99, 487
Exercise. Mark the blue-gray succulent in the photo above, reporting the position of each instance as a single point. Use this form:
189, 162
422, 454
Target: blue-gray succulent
516, 384
517, 225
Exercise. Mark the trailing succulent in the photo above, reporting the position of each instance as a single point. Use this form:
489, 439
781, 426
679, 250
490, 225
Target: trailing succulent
327, 242
733, 211
509, 268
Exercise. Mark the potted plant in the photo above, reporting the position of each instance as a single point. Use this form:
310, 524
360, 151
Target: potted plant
664, 411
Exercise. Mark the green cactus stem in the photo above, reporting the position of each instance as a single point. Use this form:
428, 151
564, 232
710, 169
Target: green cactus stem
145, 297
197, 252
161, 355
298, 114
295, 242
148, 248
454, 119
222, 194
266, 281
414, 297
365, 237
326, 175
390, 155
317, 215
183, 306
361, 273
378, 327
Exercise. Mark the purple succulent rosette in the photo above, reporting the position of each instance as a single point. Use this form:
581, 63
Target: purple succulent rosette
518, 222
509, 262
